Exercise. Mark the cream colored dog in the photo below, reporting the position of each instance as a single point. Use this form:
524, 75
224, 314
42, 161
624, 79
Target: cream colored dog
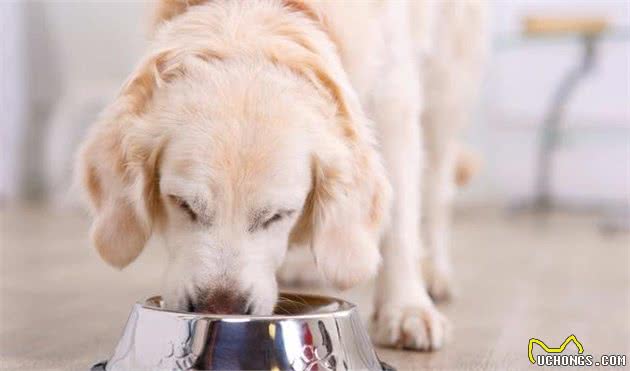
253, 125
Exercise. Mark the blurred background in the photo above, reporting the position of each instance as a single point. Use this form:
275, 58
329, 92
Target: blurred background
63, 60
552, 132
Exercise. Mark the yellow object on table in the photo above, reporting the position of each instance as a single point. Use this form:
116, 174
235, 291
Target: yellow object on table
540, 25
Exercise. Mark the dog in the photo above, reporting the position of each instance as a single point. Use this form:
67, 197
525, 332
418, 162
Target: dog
251, 126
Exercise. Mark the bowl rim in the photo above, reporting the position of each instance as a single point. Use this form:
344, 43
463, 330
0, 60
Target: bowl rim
346, 309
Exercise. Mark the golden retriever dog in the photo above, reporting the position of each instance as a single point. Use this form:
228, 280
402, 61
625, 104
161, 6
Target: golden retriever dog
252, 126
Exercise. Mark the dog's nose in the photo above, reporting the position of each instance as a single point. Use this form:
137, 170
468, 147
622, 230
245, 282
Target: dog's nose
222, 302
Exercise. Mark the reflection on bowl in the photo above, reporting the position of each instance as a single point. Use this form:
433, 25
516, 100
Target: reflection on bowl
306, 332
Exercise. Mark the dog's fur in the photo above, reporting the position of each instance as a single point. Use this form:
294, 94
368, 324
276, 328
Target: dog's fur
249, 126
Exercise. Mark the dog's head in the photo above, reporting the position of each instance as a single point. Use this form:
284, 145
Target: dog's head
229, 161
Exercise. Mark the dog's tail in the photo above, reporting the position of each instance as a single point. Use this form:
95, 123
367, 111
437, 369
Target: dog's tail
468, 164
165, 10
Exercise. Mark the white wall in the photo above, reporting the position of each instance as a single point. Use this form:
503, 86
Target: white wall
83, 46
77, 52
88, 40
529, 70
594, 160
12, 96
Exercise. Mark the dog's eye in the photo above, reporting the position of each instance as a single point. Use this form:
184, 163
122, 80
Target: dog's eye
183, 204
259, 219
277, 217
273, 219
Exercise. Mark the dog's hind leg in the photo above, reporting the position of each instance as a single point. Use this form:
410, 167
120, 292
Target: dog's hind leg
438, 187
451, 81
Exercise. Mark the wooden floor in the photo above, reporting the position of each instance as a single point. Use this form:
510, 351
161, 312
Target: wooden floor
518, 278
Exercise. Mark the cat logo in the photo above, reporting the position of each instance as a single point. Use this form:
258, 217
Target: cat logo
547, 349
554, 358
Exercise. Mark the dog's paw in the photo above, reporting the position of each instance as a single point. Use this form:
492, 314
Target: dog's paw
439, 281
414, 327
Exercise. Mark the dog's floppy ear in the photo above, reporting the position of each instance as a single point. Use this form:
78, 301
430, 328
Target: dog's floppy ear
117, 168
349, 203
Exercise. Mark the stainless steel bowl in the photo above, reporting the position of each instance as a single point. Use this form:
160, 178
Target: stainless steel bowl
307, 332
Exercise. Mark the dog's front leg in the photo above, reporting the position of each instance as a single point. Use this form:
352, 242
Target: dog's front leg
405, 315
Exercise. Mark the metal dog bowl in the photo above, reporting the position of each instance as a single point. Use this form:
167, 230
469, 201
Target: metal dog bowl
307, 333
